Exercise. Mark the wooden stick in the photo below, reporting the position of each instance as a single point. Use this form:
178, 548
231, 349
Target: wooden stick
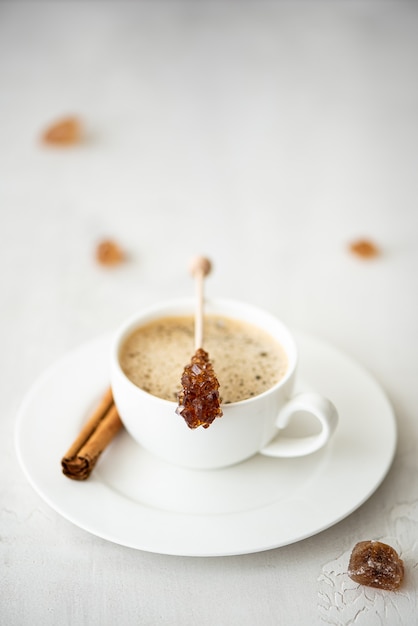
198, 321
199, 267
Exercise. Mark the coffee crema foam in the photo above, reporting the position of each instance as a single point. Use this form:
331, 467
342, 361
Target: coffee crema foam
246, 359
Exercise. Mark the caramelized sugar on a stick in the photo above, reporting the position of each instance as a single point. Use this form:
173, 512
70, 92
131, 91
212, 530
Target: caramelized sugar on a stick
199, 402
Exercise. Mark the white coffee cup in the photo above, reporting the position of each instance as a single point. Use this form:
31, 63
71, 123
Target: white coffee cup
246, 428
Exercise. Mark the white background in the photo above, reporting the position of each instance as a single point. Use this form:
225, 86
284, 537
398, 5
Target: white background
267, 135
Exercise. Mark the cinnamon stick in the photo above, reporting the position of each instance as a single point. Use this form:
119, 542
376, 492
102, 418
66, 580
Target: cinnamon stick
97, 433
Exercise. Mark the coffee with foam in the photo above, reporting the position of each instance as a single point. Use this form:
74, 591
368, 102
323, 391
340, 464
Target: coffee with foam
246, 359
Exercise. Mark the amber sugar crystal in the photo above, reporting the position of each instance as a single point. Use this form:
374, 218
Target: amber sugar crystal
64, 132
109, 253
199, 402
364, 248
376, 564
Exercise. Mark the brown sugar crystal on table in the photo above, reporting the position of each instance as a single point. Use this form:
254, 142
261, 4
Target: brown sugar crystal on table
364, 248
109, 253
376, 564
64, 132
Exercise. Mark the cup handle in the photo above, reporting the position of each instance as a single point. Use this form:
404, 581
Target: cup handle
314, 404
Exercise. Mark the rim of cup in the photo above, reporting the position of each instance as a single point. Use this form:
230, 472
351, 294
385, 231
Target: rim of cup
233, 309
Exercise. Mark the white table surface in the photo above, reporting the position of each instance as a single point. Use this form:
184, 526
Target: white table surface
267, 136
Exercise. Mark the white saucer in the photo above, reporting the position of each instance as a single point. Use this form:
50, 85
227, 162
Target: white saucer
135, 500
